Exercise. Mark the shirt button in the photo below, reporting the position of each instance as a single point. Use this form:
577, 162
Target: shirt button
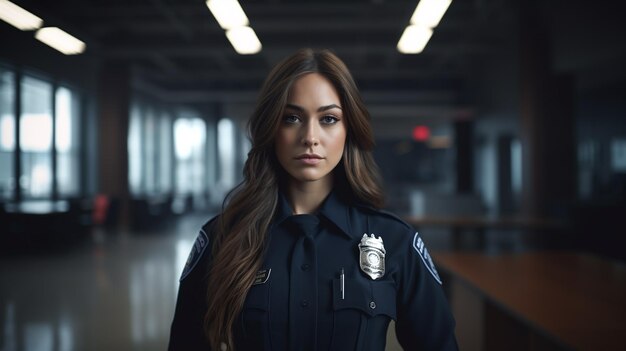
305, 267
304, 303
372, 305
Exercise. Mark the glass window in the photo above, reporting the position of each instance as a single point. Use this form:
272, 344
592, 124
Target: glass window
165, 154
182, 148
618, 155
134, 150
149, 159
516, 169
150, 151
7, 134
246, 145
36, 138
226, 152
67, 136
211, 163
198, 158
189, 147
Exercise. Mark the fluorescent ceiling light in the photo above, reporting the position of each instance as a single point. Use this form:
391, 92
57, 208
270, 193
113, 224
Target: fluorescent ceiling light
244, 40
60, 40
429, 12
414, 39
18, 17
228, 13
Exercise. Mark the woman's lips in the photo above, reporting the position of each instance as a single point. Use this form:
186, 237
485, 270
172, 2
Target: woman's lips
309, 159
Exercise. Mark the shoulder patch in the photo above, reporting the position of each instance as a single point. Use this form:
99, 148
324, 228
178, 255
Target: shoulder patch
201, 243
421, 249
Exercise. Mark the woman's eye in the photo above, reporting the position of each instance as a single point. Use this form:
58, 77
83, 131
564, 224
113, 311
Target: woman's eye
329, 120
291, 119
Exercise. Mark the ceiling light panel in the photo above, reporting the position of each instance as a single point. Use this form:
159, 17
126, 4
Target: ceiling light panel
18, 17
228, 13
414, 39
244, 40
428, 13
60, 40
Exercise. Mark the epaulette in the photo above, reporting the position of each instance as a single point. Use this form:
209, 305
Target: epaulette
386, 214
207, 226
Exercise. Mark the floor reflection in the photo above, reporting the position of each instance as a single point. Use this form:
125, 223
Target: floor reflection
116, 292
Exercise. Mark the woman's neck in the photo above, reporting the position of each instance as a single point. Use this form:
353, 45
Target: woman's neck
307, 197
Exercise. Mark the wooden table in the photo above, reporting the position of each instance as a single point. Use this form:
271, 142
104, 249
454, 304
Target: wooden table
481, 222
574, 300
478, 225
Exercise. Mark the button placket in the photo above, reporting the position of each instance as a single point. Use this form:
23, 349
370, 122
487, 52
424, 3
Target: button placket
303, 285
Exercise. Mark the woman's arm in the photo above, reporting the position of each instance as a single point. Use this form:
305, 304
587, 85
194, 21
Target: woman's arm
187, 332
425, 321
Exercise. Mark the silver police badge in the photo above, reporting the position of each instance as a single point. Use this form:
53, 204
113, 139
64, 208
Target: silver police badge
372, 258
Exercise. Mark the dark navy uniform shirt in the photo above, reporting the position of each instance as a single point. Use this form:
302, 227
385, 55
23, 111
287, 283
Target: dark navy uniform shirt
297, 303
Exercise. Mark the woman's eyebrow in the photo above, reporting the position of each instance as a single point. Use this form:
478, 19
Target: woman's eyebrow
328, 107
321, 109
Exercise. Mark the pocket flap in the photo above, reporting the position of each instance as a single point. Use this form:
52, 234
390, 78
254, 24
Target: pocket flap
258, 297
372, 298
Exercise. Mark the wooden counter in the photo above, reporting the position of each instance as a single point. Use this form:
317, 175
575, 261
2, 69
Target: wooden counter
540, 231
576, 300
485, 222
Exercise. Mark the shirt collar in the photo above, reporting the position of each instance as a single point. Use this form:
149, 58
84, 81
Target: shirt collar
333, 208
336, 210
283, 210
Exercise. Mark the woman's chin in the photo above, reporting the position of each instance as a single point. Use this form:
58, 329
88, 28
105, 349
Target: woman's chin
309, 177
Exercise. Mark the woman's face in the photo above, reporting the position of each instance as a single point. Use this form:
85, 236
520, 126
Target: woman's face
312, 133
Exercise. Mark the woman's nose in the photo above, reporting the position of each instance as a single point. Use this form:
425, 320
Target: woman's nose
310, 137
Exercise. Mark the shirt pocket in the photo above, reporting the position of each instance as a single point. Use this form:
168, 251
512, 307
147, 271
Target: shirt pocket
361, 317
254, 319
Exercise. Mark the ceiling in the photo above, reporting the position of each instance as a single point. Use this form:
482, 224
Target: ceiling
177, 44
178, 51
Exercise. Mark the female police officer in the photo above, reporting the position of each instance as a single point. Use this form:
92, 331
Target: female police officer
301, 257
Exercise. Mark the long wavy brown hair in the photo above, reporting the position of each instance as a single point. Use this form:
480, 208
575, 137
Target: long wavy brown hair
239, 237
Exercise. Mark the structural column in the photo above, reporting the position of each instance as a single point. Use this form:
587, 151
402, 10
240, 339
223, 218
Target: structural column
113, 120
506, 201
464, 148
547, 121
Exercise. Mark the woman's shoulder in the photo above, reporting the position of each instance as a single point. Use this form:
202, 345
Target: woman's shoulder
209, 225
199, 249
383, 220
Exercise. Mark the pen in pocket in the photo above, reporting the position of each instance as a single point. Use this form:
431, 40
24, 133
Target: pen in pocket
342, 283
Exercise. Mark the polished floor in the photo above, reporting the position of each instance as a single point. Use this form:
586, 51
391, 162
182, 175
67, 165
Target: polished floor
113, 292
